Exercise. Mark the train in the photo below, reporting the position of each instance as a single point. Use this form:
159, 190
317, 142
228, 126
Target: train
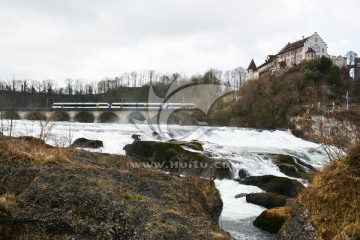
102, 105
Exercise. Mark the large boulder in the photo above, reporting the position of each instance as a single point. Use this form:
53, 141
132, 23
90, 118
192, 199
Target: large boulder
270, 183
87, 143
268, 200
140, 149
179, 157
272, 219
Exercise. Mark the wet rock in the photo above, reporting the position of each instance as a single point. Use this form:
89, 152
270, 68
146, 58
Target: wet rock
241, 195
270, 183
292, 166
87, 143
243, 173
156, 135
136, 137
272, 219
268, 200
223, 170
287, 169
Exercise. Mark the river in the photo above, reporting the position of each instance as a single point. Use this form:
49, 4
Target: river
243, 147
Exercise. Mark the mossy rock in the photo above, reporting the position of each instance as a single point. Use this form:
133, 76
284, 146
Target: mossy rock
87, 143
178, 160
272, 219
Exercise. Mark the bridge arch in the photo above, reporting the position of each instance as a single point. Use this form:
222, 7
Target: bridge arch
108, 117
36, 116
136, 115
10, 115
85, 117
60, 116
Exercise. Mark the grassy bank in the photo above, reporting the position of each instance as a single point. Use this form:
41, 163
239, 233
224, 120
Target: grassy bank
330, 207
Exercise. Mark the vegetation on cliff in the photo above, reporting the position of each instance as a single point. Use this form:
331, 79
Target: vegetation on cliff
270, 101
332, 202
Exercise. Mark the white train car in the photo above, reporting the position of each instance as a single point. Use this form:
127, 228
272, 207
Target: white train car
62, 105
153, 105
80, 105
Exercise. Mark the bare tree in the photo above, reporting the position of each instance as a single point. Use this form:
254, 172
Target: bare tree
69, 86
134, 76
351, 56
240, 74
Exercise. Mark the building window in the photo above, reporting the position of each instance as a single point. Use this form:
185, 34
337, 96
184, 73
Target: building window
316, 48
323, 50
315, 39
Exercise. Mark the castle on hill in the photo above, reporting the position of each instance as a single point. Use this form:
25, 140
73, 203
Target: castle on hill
308, 48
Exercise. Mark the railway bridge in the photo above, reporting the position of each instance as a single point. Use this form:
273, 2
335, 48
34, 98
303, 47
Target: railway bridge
87, 115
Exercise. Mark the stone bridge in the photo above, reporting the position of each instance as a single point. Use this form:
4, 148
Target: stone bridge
87, 115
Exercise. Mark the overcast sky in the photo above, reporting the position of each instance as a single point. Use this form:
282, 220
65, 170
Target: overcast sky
93, 39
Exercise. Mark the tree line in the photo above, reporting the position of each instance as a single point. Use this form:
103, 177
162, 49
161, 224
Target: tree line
231, 78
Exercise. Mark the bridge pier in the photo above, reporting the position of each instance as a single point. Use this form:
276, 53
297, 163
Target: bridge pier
96, 116
72, 116
22, 114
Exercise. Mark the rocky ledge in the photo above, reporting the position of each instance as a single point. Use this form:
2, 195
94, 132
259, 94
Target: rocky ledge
52, 193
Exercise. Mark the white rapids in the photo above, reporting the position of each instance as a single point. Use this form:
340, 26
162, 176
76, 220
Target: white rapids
243, 147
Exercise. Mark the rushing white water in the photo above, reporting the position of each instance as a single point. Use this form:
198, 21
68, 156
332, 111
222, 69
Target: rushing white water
245, 148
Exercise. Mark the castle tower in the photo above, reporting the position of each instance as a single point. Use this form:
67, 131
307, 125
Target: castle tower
251, 70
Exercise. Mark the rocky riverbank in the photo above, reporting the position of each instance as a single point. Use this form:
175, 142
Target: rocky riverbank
339, 128
53, 193
330, 207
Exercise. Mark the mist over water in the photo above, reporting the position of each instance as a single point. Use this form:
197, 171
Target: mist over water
244, 148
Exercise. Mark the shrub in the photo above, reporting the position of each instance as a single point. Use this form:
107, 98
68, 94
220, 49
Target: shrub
333, 200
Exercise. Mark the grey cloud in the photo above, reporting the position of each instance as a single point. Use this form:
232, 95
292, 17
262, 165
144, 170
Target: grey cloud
92, 39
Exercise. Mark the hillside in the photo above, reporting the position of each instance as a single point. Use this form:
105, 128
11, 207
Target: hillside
312, 86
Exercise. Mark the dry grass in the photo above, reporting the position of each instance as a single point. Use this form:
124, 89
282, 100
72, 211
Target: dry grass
6, 201
131, 197
334, 199
216, 235
31, 151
